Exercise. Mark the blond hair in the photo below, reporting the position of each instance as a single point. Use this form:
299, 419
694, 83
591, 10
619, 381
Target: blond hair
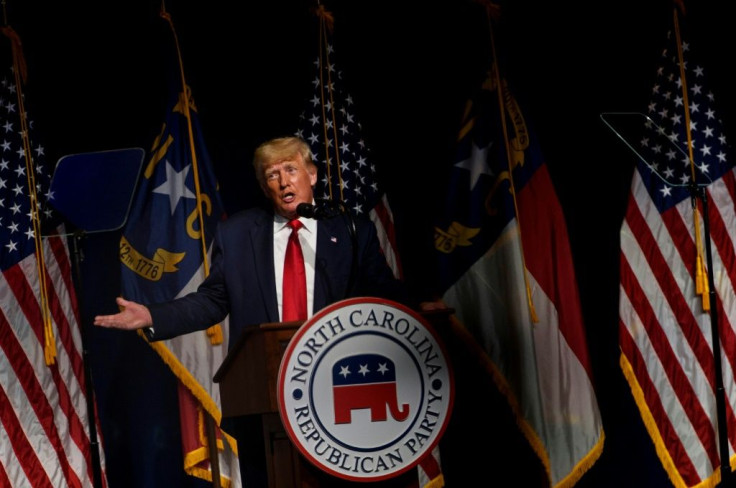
280, 149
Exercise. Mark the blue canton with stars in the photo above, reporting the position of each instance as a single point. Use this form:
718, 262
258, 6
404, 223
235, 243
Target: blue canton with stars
346, 171
17, 235
667, 171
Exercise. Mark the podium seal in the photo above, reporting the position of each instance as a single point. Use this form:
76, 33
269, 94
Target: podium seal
364, 389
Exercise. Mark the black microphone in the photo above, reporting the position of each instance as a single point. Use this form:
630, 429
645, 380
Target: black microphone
323, 209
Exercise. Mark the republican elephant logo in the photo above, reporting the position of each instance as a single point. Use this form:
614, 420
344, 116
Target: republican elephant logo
366, 381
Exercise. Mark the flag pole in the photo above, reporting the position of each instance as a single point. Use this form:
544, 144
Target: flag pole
709, 295
491, 13
90, 391
727, 479
215, 337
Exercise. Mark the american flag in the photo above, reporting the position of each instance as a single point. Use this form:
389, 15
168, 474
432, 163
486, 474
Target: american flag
664, 307
505, 267
163, 257
347, 171
44, 429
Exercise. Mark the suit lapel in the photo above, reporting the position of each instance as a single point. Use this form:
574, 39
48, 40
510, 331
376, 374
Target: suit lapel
332, 243
262, 241
333, 253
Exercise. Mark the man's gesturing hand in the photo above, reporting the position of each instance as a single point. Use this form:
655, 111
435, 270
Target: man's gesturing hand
132, 316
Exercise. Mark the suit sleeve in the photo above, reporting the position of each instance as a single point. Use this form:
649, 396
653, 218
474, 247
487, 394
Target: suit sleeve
207, 306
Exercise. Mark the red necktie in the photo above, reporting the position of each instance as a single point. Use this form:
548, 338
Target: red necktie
295, 279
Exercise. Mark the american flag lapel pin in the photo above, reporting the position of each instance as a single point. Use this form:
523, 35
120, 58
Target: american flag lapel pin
333, 239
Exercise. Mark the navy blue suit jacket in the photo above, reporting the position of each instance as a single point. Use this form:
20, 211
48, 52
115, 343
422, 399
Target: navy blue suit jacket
242, 281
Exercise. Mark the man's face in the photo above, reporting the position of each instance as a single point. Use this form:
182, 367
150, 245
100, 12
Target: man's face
289, 183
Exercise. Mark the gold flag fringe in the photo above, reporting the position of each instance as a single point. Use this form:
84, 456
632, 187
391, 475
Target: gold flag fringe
484, 361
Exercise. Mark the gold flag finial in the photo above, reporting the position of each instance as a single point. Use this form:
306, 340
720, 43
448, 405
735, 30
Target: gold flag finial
325, 15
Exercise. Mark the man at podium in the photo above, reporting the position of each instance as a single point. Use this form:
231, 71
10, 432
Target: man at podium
250, 263
260, 274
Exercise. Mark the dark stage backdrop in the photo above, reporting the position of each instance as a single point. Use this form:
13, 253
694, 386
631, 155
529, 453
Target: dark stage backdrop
96, 83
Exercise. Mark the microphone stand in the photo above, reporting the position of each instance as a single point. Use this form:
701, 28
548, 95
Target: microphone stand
352, 230
90, 391
727, 479
354, 242
325, 209
94, 190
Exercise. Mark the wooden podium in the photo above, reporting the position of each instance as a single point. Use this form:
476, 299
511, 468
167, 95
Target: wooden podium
248, 379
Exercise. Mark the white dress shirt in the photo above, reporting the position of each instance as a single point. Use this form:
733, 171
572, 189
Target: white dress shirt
308, 240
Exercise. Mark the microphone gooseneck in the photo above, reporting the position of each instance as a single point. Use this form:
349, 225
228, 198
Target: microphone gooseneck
321, 210
327, 209
305, 210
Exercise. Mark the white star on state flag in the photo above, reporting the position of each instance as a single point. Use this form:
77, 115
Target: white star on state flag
175, 186
476, 163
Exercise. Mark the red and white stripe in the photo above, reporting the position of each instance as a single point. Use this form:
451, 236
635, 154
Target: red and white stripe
665, 335
44, 433
383, 219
